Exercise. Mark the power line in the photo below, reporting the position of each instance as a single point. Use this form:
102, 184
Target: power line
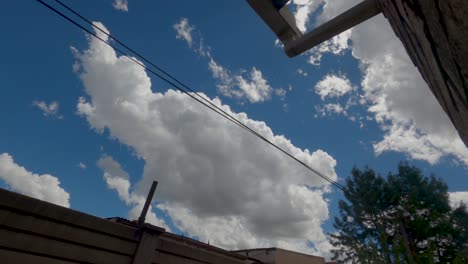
194, 96
170, 79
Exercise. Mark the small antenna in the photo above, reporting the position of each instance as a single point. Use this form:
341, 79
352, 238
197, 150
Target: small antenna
141, 219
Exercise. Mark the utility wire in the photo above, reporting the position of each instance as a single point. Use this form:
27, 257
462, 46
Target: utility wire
170, 79
203, 100
148, 61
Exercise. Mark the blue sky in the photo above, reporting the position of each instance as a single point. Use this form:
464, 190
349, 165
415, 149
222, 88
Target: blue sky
86, 128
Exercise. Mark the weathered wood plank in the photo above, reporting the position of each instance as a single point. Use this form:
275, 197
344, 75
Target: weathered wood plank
65, 232
165, 258
14, 257
48, 247
194, 253
146, 248
30, 206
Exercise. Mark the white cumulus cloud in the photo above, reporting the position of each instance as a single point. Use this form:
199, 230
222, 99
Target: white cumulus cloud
458, 197
337, 45
394, 92
330, 109
51, 109
251, 85
302, 72
44, 187
333, 85
412, 120
303, 12
117, 179
82, 165
216, 181
121, 5
184, 31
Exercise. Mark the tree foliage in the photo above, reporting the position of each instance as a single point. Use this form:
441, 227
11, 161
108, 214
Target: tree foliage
402, 218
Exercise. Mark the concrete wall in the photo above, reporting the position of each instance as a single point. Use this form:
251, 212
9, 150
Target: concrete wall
33, 231
435, 35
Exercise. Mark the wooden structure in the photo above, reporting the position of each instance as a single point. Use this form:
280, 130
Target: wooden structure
34, 231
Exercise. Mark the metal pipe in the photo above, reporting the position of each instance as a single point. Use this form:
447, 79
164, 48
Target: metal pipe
141, 219
354, 16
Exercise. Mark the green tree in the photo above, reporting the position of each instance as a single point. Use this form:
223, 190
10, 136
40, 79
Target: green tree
402, 218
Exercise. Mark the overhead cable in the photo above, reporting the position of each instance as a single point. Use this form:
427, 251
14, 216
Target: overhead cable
173, 81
